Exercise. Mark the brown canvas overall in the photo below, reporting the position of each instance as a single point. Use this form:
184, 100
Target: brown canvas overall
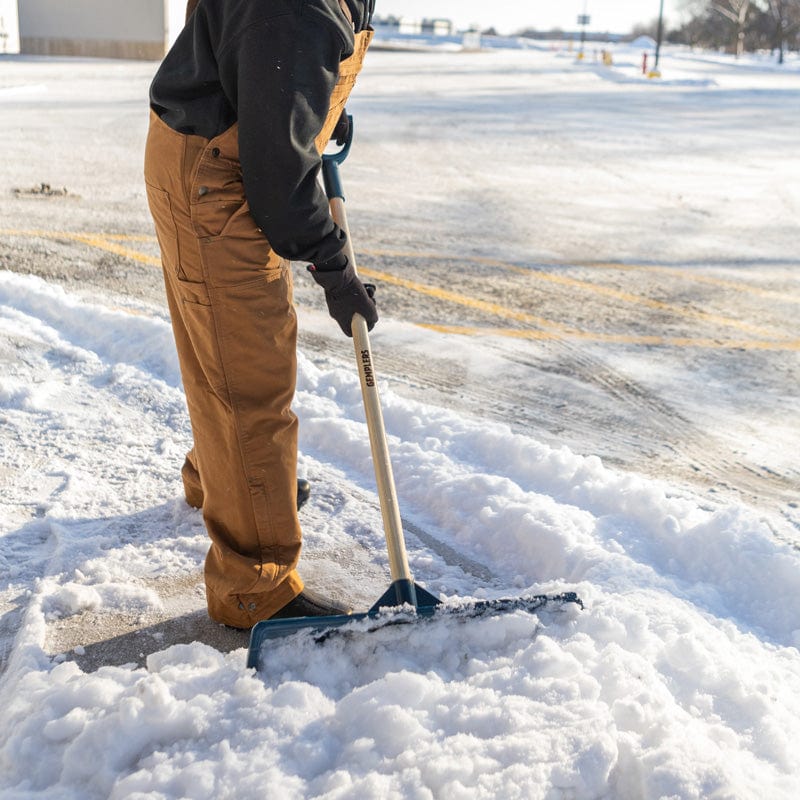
230, 300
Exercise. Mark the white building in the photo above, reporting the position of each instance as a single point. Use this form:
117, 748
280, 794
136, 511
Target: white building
413, 26
9, 27
139, 29
438, 27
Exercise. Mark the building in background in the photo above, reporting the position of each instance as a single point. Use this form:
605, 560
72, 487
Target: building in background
412, 33
438, 27
412, 25
143, 29
9, 27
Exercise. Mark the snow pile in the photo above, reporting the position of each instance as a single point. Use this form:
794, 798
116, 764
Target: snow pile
681, 678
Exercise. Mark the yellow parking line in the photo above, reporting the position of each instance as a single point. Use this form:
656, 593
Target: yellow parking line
462, 300
658, 305
746, 288
129, 237
547, 329
99, 240
103, 243
555, 330
614, 338
607, 291
685, 275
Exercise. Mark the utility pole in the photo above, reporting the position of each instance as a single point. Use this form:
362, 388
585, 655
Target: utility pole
655, 72
583, 21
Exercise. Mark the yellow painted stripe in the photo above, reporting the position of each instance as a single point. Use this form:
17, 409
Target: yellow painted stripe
612, 338
99, 240
617, 294
769, 294
658, 305
129, 237
549, 330
686, 275
462, 300
102, 243
39, 234
555, 331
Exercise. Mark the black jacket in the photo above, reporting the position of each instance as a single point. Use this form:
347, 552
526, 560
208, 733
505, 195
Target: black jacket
271, 66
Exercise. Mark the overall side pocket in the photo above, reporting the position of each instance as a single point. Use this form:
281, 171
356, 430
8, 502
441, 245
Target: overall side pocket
166, 230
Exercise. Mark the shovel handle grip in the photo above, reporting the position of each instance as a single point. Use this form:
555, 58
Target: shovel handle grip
331, 161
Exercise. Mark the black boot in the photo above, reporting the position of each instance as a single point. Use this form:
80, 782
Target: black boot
311, 604
303, 492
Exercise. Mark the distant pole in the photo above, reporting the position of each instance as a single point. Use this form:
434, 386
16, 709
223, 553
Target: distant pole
583, 21
659, 34
656, 72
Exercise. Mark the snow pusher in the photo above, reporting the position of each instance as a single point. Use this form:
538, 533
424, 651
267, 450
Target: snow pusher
404, 601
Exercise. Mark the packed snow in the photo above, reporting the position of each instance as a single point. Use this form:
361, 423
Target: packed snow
680, 678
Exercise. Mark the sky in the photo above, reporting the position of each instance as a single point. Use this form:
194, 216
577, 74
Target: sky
508, 16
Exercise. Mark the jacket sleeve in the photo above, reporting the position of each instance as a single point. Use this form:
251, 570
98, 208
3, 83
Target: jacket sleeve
284, 71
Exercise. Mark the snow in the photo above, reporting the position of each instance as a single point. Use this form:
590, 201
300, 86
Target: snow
680, 678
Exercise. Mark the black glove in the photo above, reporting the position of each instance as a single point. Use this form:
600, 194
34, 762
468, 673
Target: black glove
341, 133
345, 294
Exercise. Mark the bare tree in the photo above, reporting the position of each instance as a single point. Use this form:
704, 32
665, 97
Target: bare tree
747, 24
736, 11
786, 14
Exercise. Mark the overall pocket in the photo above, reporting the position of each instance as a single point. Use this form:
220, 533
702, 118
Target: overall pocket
233, 249
217, 195
166, 230
200, 324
